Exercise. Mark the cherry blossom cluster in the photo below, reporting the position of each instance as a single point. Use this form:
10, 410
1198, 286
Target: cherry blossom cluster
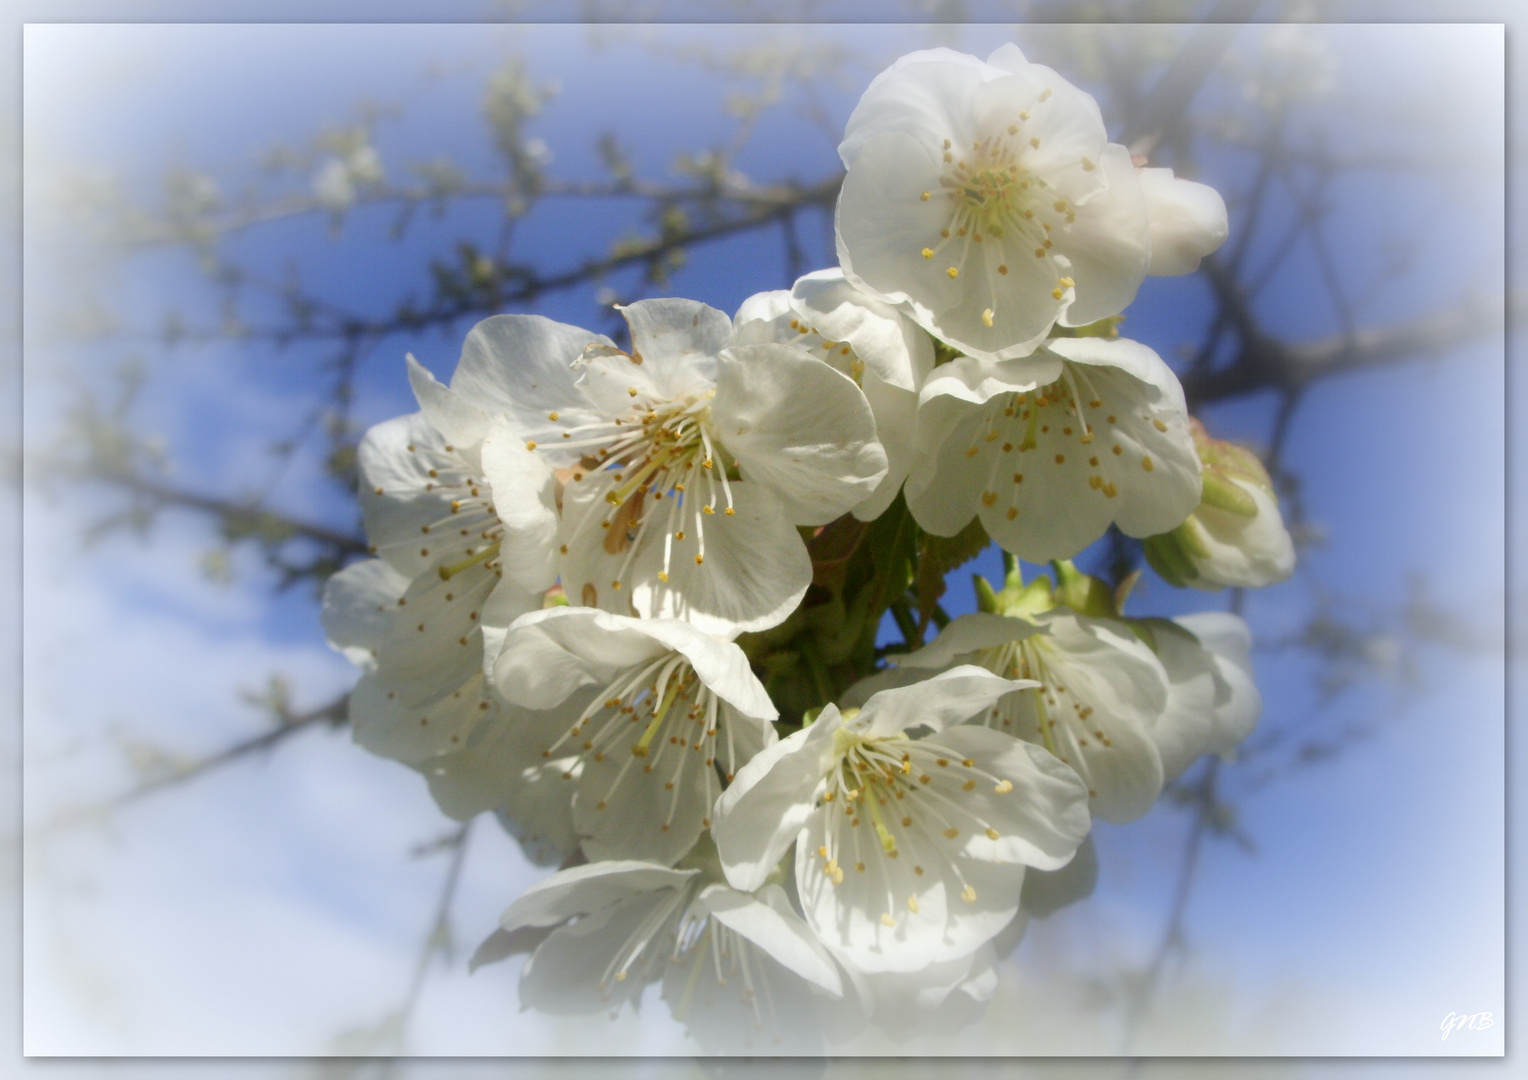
587, 554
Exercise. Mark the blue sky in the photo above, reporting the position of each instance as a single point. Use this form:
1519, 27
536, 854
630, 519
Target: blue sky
1377, 887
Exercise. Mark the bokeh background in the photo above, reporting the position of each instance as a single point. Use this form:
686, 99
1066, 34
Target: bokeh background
233, 234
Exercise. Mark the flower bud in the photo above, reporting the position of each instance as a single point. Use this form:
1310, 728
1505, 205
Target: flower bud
1236, 536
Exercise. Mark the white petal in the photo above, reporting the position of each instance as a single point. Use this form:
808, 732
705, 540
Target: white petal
462, 422
948, 698
752, 323
766, 919
1188, 221
359, 603
889, 343
769, 801
883, 225
525, 501
755, 572
966, 634
864, 917
1109, 245
420, 727
1244, 552
495, 772
1228, 641
624, 810
798, 427
679, 339
396, 490
943, 490
548, 654
979, 381
922, 94
896, 417
522, 366
721, 665
586, 889
563, 975
1039, 822
435, 640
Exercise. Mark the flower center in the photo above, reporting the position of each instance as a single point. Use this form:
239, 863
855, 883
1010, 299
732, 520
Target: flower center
992, 197
910, 793
651, 452
671, 718
468, 534
1061, 717
1060, 423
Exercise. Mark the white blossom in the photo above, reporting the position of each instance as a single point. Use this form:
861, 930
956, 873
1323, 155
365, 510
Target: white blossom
688, 461
655, 711
1188, 221
1213, 701
987, 197
1050, 449
449, 561
1236, 536
1096, 693
885, 353
740, 970
909, 851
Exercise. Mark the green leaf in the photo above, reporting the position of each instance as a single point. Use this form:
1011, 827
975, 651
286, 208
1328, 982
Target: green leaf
937, 556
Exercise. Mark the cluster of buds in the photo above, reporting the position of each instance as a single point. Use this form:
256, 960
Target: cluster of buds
586, 552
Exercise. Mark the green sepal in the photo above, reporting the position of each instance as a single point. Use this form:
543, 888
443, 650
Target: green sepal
986, 596
1191, 541
1169, 561
1033, 599
1083, 593
1225, 494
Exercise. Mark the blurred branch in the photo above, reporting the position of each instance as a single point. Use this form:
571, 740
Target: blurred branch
288, 724
1264, 363
1168, 101
239, 520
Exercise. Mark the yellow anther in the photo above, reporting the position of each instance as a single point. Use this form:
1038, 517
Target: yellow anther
1023, 114
987, 317
663, 576
991, 834
531, 445
632, 390
1035, 142
700, 560
1158, 424
1067, 283
953, 271
912, 904
1003, 269
968, 894
924, 197
1057, 294
951, 833
1088, 166
928, 253
1147, 463
551, 416
887, 920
